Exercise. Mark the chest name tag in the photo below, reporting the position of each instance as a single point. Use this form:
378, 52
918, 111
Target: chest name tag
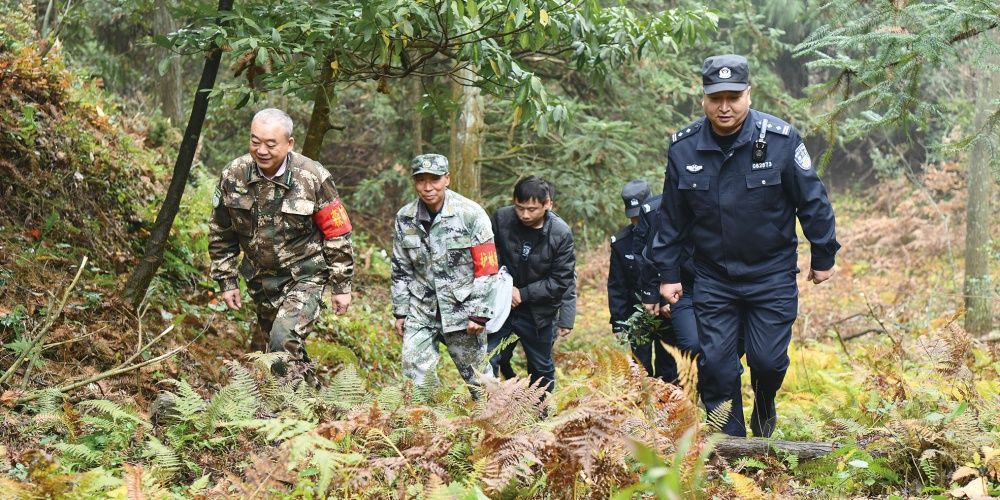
761, 166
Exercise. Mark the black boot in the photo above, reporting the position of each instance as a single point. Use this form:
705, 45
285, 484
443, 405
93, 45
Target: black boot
764, 418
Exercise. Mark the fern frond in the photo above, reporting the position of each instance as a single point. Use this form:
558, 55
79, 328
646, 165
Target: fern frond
116, 411
163, 456
15, 489
80, 454
93, 482
187, 402
346, 390
133, 481
510, 405
275, 429
850, 427
237, 401
718, 417
687, 371
748, 462
199, 486
963, 472
745, 487
142, 484
390, 398
49, 401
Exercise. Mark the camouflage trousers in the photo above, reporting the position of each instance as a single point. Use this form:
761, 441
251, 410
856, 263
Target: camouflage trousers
421, 344
284, 326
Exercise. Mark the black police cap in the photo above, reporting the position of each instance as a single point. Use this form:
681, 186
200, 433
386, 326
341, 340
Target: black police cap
728, 72
633, 194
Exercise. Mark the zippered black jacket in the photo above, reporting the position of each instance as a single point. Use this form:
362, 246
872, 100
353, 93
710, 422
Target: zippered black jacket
546, 272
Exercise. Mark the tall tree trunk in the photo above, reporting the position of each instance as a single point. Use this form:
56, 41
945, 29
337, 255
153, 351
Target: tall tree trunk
319, 122
416, 117
467, 125
169, 83
138, 283
978, 302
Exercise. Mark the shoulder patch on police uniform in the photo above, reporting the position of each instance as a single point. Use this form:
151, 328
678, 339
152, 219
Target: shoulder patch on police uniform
802, 158
646, 208
622, 233
775, 126
217, 197
685, 132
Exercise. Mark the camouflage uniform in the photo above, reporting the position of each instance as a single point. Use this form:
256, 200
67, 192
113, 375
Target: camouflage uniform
296, 239
441, 279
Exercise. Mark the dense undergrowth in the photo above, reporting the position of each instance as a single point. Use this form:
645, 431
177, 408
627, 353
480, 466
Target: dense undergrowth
880, 364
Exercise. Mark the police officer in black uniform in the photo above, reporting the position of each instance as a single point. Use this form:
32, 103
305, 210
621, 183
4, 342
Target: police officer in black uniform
683, 330
735, 182
624, 285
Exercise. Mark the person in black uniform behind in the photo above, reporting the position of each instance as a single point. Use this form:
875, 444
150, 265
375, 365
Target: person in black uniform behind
735, 182
624, 286
683, 327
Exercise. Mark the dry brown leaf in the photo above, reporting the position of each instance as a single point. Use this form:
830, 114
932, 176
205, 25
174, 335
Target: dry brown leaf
975, 489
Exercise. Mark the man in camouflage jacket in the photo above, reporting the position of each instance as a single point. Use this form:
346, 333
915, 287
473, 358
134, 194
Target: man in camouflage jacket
444, 267
283, 212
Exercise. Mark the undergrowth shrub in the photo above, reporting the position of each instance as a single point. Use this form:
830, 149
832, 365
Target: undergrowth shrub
349, 441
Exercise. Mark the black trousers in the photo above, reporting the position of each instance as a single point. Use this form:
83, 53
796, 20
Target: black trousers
763, 310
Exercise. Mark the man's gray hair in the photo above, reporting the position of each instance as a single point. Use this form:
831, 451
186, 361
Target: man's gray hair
274, 115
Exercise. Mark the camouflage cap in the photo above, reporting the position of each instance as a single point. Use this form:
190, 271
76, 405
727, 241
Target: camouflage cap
430, 164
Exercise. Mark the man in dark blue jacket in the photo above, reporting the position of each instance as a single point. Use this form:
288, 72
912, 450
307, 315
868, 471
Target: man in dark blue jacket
537, 248
736, 180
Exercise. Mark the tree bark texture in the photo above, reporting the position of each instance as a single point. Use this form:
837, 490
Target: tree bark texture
416, 116
736, 447
138, 283
319, 122
467, 125
169, 83
978, 281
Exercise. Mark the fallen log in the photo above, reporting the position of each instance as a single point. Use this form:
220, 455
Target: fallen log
736, 447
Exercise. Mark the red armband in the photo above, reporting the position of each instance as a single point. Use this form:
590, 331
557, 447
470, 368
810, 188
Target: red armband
484, 260
332, 220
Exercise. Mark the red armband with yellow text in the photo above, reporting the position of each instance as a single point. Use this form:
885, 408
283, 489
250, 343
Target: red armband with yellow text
484, 260
332, 220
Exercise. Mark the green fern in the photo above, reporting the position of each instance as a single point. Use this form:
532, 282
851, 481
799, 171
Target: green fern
49, 401
301, 399
116, 411
187, 402
346, 390
237, 401
79, 456
199, 486
262, 361
275, 429
163, 456
750, 462
390, 398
